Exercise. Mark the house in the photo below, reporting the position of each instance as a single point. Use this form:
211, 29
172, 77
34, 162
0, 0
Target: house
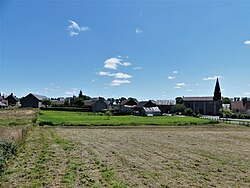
3, 105
151, 111
57, 101
147, 108
32, 100
12, 100
205, 105
96, 104
238, 106
127, 106
165, 105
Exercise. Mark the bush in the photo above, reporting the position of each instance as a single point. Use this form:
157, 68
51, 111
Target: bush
7, 149
226, 113
179, 108
42, 123
188, 112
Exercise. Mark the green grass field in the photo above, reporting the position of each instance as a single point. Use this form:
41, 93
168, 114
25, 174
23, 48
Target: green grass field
78, 118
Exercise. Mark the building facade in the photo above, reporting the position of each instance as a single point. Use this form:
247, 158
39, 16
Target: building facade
32, 101
205, 105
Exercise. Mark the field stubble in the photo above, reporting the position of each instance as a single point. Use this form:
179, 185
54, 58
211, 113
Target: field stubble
134, 157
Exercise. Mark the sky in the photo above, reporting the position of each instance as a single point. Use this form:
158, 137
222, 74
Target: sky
142, 49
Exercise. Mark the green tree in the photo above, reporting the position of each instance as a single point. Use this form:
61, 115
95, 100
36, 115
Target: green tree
226, 100
179, 108
179, 100
188, 112
46, 102
79, 102
226, 112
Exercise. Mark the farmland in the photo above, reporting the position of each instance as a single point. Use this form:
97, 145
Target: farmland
141, 156
92, 119
14, 125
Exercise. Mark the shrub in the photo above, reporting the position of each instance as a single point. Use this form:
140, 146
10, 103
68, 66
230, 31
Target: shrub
226, 113
7, 149
188, 111
42, 123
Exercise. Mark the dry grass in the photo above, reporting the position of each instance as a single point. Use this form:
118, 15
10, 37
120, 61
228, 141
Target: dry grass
133, 157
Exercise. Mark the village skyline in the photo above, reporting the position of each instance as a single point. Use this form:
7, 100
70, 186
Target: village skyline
147, 50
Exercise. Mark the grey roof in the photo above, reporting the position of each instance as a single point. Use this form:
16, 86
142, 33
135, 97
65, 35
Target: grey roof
151, 109
39, 97
145, 104
165, 102
193, 99
89, 102
127, 101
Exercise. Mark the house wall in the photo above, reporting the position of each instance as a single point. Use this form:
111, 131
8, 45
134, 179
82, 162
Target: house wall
204, 107
99, 106
30, 101
238, 106
11, 100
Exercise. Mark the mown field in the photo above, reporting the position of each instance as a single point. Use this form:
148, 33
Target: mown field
146, 156
14, 125
78, 118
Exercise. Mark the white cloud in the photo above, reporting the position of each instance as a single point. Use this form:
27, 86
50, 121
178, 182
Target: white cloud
116, 75
119, 82
180, 84
211, 78
72, 33
74, 28
113, 63
175, 72
138, 30
189, 90
171, 77
122, 75
103, 73
247, 42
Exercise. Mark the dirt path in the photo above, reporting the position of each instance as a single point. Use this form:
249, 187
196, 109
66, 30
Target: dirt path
146, 157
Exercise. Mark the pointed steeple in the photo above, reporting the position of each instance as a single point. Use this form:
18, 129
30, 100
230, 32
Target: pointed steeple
217, 92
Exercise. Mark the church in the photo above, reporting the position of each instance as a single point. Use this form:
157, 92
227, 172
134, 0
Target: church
205, 105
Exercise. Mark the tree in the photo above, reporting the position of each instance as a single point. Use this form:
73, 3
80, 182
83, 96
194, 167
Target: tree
226, 100
79, 102
226, 112
217, 92
179, 100
188, 112
80, 94
179, 108
46, 102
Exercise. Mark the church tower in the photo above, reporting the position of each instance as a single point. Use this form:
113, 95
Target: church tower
217, 92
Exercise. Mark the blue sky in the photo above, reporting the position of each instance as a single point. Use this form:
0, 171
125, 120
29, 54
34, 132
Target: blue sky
144, 49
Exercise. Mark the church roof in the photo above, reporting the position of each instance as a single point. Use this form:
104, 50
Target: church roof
198, 99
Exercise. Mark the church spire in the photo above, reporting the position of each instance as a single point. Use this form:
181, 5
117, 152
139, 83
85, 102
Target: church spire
217, 92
